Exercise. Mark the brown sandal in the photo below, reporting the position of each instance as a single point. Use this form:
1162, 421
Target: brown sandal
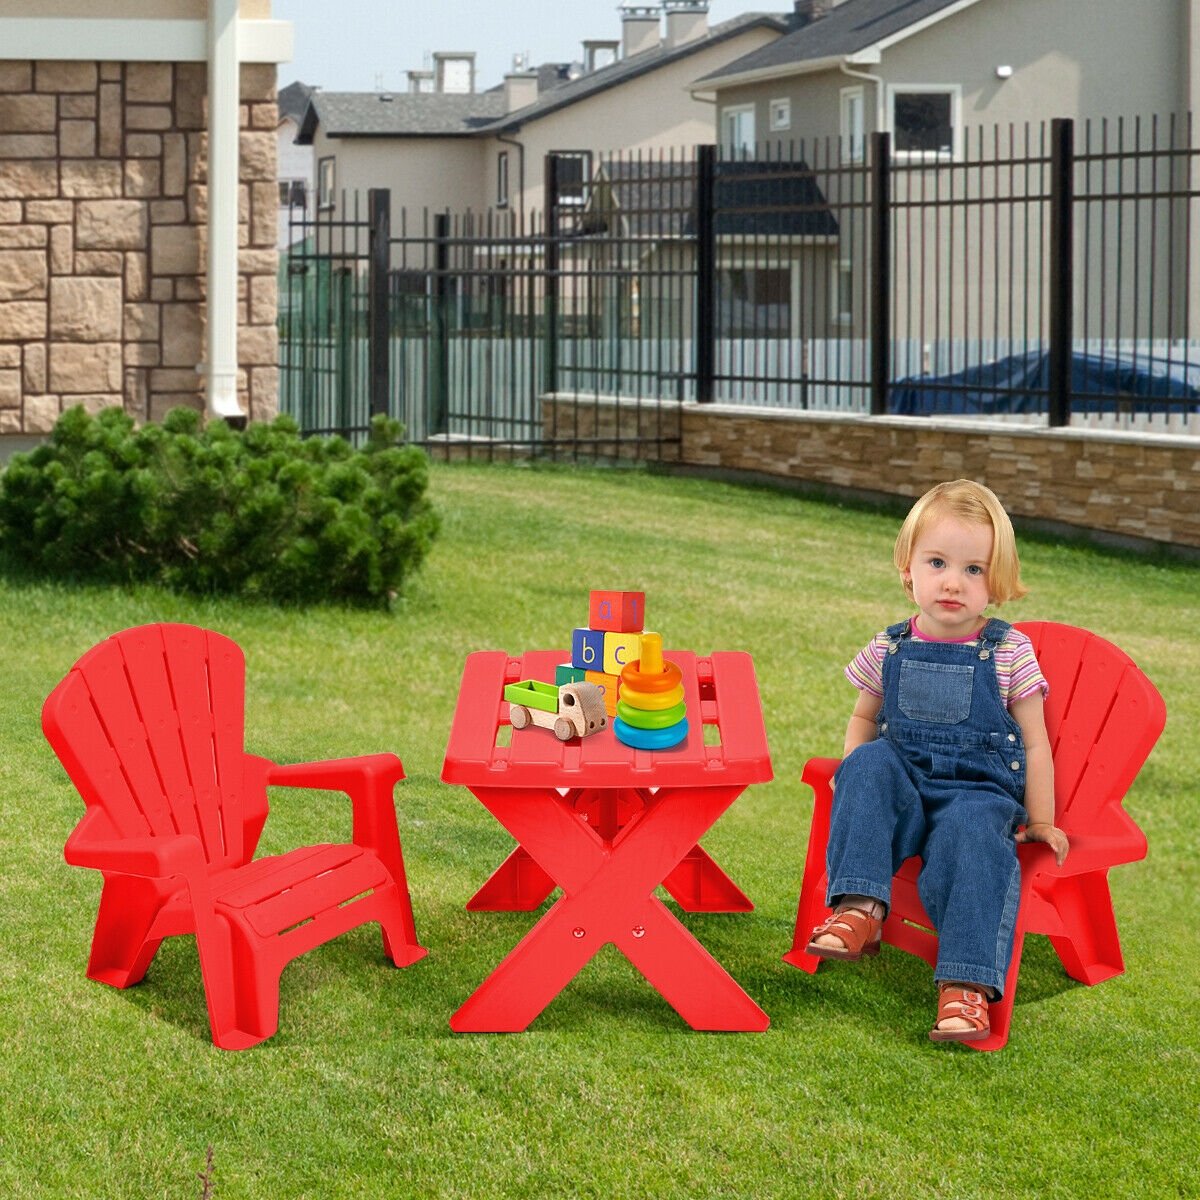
860, 932
954, 1000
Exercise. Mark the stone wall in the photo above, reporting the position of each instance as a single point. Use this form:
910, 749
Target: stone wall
1129, 488
102, 239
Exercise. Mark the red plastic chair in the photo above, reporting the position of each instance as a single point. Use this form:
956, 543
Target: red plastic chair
1103, 716
149, 726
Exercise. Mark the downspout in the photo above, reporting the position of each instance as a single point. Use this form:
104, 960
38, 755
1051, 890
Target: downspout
877, 80
224, 89
520, 173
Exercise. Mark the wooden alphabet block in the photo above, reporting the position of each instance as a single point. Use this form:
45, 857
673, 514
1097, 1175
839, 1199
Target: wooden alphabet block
587, 649
566, 673
611, 685
617, 612
621, 649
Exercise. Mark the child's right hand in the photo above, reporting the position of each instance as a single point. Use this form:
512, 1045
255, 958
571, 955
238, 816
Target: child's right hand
1043, 831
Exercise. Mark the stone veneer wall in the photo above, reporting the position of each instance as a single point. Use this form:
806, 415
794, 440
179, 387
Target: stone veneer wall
102, 239
1123, 486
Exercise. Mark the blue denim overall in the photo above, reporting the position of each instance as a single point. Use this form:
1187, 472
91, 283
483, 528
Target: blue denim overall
944, 780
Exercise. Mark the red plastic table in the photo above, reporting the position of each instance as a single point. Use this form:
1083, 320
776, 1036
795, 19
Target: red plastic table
608, 824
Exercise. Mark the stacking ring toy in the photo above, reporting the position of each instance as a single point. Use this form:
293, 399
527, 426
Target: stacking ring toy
641, 718
649, 700
650, 739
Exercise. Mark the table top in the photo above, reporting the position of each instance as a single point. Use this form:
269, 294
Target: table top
721, 694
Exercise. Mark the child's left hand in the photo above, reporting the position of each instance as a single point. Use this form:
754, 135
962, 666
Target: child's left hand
1043, 831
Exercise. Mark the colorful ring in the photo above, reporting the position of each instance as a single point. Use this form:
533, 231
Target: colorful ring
649, 700
661, 681
649, 718
650, 739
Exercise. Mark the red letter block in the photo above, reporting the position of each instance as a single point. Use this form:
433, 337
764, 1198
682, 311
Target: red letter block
618, 612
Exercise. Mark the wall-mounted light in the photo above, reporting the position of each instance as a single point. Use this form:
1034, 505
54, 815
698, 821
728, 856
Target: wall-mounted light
1004, 72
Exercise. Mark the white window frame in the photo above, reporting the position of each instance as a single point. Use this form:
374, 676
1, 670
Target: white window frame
326, 182
751, 262
954, 91
502, 179
854, 133
780, 113
737, 111
585, 157
839, 269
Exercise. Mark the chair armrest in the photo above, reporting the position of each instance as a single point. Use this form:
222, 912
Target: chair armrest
336, 774
151, 857
369, 781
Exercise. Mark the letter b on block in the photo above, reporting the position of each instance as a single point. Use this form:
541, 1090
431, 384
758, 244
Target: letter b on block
618, 612
587, 649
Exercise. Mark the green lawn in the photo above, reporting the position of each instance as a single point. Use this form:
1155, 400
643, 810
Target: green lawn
366, 1092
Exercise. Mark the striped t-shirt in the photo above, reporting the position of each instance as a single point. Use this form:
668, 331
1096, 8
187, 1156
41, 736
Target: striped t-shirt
1017, 670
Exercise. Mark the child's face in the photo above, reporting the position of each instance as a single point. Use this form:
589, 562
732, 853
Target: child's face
948, 573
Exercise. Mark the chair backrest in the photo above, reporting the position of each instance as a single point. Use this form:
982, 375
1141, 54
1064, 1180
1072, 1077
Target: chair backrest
1103, 716
149, 726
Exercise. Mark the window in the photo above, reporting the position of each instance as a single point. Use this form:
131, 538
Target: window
573, 169
737, 130
841, 291
754, 302
924, 121
292, 193
502, 179
325, 182
781, 114
853, 126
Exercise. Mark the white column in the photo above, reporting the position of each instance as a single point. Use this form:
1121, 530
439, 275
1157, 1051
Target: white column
221, 363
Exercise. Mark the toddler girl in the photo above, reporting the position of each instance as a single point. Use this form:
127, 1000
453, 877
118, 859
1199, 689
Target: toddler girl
946, 756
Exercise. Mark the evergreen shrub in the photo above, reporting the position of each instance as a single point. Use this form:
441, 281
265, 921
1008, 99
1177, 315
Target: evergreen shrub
204, 508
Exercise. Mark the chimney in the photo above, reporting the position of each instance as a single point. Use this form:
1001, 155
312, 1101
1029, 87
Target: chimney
639, 28
520, 90
597, 54
807, 11
420, 81
687, 21
454, 72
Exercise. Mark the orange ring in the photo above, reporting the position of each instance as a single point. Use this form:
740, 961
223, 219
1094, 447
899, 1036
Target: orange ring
650, 701
669, 677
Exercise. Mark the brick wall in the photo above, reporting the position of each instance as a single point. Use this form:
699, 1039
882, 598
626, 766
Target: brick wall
102, 243
1122, 486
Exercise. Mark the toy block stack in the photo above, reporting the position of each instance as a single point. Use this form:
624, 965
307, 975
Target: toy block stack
611, 641
651, 711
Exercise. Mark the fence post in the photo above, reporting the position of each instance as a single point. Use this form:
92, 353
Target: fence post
439, 349
379, 214
705, 340
550, 275
881, 271
1062, 267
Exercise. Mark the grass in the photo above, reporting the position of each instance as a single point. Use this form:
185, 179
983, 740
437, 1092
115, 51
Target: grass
365, 1092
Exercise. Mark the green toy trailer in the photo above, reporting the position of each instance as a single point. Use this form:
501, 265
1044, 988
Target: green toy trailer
572, 710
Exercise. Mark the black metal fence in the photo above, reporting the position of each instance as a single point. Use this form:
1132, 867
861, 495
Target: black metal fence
1041, 275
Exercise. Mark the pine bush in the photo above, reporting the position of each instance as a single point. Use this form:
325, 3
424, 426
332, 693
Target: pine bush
200, 507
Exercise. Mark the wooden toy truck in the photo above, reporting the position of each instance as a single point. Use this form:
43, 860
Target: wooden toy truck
572, 710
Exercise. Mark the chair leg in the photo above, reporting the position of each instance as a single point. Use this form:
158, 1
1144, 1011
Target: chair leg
812, 909
241, 984
399, 931
1089, 947
122, 948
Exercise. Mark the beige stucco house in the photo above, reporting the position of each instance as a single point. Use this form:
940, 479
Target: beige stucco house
138, 208
445, 145
957, 82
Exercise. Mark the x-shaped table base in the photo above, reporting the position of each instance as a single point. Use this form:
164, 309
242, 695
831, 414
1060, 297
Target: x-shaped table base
697, 884
608, 888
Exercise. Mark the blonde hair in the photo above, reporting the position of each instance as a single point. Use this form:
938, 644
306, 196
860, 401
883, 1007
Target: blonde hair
973, 504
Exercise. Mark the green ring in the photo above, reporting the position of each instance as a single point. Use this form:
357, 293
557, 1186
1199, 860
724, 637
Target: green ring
644, 718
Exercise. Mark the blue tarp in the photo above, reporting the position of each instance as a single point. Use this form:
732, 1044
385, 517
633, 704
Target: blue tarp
1020, 383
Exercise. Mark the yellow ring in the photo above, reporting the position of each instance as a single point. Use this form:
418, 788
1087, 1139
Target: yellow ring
650, 701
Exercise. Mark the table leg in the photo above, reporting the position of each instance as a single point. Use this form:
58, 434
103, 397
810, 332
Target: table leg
518, 884
695, 985
699, 885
